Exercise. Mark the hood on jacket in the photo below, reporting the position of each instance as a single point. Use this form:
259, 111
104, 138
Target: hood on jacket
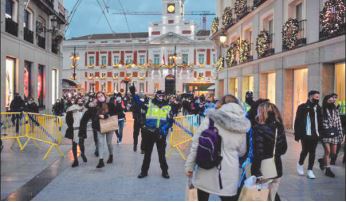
230, 117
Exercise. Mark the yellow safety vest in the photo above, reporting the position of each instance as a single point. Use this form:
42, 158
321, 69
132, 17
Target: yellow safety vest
157, 114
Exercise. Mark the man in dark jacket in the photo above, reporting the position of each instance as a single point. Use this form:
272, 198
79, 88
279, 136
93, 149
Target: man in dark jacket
307, 127
136, 110
17, 105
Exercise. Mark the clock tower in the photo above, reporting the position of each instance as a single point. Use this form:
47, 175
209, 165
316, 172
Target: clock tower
173, 11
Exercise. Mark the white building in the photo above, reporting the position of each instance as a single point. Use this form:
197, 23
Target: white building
30, 50
286, 71
106, 60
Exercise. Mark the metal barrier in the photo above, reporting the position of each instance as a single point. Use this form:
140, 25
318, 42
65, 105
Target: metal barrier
183, 129
33, 127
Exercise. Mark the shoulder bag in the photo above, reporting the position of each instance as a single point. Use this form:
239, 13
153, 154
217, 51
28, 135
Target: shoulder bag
108, 125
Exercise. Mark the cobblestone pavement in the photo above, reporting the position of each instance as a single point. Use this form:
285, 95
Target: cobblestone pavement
119, 181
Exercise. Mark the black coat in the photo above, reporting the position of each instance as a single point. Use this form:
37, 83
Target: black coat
90, 114
69, 122
263, 143
301, 117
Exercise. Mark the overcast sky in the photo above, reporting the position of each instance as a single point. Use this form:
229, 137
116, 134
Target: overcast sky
89, 19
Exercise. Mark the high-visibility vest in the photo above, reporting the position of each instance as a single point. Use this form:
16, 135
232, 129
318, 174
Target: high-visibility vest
154, 113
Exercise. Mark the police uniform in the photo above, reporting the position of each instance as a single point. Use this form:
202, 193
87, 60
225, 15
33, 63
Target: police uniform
157, 124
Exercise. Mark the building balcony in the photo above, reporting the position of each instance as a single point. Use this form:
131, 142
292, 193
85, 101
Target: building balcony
257, 3
300, 36
11, 27
41, 41
324, 35
55, 47
28, 35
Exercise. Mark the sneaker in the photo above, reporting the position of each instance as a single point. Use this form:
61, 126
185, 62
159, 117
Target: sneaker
165, 175
300, 169
110, 159
75, 163
100, 164
321, 164
142, 175
328, 172
310, 174
96, 153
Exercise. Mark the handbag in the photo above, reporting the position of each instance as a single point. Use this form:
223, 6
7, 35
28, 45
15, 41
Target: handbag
254, 193
108, 125
330, 132
268, 166
191, 192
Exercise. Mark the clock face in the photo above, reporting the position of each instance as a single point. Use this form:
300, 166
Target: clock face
171, 8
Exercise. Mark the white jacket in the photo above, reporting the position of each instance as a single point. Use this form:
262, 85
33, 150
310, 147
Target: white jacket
232, 126
77, 113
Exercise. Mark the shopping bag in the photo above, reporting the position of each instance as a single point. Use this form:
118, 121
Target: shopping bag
251, 191
108, 125
191, 192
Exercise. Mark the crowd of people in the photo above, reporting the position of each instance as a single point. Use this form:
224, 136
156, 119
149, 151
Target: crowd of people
245, 134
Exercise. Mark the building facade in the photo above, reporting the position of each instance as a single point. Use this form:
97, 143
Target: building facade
172, 56
280, 50
31, 36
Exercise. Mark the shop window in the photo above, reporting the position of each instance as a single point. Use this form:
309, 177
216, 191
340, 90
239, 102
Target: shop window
41, 85
10, 82
271, 87
27, 79
233, 86
55, 85
300, 88
340, 86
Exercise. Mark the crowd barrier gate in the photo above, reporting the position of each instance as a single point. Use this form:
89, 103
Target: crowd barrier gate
183, 129
32, 127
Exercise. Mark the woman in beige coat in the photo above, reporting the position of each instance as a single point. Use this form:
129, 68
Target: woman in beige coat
232, 126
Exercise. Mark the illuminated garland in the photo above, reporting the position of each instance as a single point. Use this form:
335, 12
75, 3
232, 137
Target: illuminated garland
244, 50
332, 17
214, 26
227, 16
231, 54
240, 7
263, 43
290, 31
220, 64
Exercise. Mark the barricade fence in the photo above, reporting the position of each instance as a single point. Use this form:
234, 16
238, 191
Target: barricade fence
183, 129
33, 128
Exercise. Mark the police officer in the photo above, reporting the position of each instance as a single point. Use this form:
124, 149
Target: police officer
157, 124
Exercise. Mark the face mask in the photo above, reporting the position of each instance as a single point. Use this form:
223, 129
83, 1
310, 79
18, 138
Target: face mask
142, 100
315, 101
118, 99
101, 99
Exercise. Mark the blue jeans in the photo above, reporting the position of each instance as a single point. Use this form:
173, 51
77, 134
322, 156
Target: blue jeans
120, 129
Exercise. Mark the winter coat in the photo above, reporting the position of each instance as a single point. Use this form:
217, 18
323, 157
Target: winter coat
136, 108
232, 126
17, 105
120, 110
301, 117
90, 114
263, 143
331, 118
73, 119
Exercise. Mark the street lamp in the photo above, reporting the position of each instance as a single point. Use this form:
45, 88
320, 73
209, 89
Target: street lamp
74, 58
222, 39
174, 58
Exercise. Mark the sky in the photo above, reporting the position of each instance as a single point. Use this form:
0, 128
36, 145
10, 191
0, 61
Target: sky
89, 19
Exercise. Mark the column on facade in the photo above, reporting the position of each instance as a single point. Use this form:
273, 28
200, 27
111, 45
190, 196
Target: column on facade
20, 74
312, 23
3, 69
321, 78
278, 23
262, 85
279, 89
34, 76
287, 103
255, 32
3, 10
20, 21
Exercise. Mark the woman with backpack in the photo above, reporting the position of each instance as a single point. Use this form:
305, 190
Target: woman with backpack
269, 141
222, 179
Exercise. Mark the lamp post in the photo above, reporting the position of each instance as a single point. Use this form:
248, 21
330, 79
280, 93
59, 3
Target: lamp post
222, 39
74, 58
173, 58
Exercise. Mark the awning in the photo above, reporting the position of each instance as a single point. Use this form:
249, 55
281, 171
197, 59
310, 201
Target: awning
67, 83
211, 87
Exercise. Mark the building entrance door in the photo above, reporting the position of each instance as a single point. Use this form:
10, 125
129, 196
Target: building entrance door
170, 83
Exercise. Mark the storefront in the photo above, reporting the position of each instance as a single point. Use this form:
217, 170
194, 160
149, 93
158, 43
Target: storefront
233, 86
247, 85
41, 85
197, 88
27, 79
10, 80
340, 85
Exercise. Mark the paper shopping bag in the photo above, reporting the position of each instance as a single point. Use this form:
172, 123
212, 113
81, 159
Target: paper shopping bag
191, 192
254, 193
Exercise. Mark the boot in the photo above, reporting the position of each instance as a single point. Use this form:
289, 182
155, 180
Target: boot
135, 148
100, 164
84, 158
74, 152
321, 163
328, 172
142, 175
110, 159
165, 175
96, 153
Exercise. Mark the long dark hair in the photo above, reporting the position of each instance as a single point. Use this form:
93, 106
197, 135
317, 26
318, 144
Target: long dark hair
326, 105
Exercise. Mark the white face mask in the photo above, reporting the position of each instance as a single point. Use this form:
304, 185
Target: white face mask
101, 99
118, 99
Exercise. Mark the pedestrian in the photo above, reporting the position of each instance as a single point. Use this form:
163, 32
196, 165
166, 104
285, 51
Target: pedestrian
155, 130
232, 126
332, 133
269, 140
17, 106
209, 105
90, 114
249, 100
136, 111
73, 119
104, 139
33, 107
120, 112
307, 128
